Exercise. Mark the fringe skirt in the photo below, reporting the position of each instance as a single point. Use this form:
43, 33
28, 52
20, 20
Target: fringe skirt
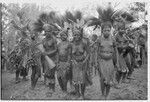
122, 64
63, 69
106, 69
81, 73
49, 73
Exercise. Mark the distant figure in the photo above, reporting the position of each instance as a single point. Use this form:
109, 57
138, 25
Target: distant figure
93, 53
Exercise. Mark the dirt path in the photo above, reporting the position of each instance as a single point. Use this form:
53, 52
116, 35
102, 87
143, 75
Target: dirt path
136, 89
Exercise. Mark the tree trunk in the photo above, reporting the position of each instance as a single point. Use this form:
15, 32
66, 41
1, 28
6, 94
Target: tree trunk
1, 19
0, 25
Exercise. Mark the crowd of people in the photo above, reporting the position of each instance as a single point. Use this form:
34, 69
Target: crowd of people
112, 56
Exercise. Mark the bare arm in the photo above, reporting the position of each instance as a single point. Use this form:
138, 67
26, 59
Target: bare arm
57, 57
69, 53
87, 49
115, 54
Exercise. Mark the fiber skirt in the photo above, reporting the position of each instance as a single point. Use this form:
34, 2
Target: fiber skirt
106, 69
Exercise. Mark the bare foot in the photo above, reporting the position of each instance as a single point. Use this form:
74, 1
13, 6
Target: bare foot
49, 94
17, 81
25, 79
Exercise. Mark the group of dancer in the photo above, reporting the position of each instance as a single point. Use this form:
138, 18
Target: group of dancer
111, 55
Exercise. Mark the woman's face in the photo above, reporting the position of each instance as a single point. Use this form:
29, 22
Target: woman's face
106, 31
77, 36
94, 37
63, 36
48, 35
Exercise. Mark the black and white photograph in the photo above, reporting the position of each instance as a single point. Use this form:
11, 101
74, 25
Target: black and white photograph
74, 50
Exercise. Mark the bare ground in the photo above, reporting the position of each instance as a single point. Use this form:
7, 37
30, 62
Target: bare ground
136, 89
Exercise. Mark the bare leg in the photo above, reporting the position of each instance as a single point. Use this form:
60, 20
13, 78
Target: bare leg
76, 91
17, 75
102, 83
82, 89
36, 73
102, 86
44, 79
33, 77
61, 83
65, 85
124, 74
24, 74
107, 90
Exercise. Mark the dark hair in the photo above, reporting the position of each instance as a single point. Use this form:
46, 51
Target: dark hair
106, 26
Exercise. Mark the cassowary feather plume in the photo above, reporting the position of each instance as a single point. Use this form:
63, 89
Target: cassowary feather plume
104, 15
75, 19
109, 15
46, 21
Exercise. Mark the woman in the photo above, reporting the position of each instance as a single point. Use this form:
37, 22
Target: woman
106, 49
80, 56
50, 47
46, 23
64, 61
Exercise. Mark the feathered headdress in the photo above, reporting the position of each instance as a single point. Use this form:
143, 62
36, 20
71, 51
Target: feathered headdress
108, 16
62, 24
76, 21
46, 22
105, 17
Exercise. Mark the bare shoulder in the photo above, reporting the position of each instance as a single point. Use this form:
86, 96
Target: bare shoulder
86, 41
99, 39
113, 38
70, 43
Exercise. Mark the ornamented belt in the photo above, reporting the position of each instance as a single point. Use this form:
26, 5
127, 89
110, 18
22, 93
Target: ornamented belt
79, 58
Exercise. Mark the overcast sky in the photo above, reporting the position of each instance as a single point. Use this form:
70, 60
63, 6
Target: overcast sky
62, 5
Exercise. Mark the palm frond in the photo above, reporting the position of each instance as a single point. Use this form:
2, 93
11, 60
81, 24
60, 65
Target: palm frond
20, 15
128, 17
15, 25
